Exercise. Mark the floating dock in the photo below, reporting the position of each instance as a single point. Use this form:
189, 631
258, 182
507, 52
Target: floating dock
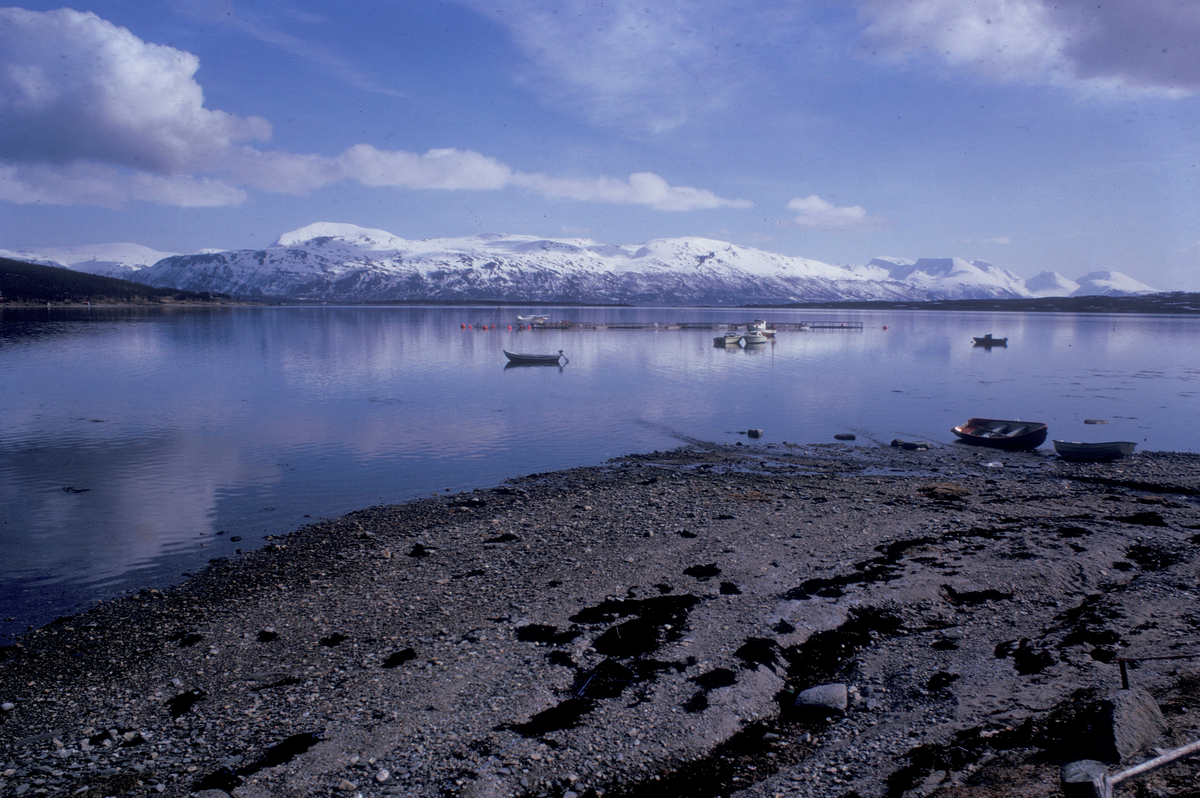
795, 326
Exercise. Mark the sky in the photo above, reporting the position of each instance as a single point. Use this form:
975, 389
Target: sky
1037, 135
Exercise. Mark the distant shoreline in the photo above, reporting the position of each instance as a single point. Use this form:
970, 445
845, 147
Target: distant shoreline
1174, 303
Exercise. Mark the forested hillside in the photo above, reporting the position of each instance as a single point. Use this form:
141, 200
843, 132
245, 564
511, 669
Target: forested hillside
22, 283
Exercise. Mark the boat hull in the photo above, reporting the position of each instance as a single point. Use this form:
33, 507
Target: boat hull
1106, 450
995, 433
989, 341
533, 360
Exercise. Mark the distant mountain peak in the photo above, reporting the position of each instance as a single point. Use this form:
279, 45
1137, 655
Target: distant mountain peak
351, 233
339, 262
1108, 283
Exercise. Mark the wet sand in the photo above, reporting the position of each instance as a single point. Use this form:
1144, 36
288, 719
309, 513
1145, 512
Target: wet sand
642, 628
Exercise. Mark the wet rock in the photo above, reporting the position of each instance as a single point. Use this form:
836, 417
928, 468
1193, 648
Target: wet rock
754, 433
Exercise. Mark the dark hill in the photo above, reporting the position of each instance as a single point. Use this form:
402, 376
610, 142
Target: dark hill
22, 283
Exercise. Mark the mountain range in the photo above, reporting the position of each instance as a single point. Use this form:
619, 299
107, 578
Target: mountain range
346, 263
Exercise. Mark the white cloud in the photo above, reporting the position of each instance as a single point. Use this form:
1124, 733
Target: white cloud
73, 86
641, 68
92, 115
1117, 45
106, 186
814, 212
290, 173
642, 188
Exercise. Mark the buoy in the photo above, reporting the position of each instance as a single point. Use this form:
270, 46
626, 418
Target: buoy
885, 326
510, 328
470, 327
464, 326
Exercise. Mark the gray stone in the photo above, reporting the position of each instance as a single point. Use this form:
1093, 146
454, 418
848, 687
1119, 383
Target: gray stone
825, 696
1083, 778
1134, 721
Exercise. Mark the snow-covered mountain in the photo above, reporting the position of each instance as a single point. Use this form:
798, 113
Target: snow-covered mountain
108, 260
1109, 284
346, 263
1051, 284
955, 278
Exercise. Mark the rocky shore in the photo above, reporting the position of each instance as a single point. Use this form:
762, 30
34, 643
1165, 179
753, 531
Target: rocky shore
644, 628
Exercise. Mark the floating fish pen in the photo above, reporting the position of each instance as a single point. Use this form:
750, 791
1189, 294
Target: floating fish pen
796, 326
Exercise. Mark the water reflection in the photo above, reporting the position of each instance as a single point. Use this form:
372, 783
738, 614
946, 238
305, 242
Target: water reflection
177, 430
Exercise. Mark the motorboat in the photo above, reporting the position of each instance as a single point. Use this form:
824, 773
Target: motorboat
522, 359
1002, 434
728, 339
1107, 450
760, 327
988, 341
533, 319
752, 338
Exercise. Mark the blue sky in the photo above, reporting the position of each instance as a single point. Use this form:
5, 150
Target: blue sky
1036, 135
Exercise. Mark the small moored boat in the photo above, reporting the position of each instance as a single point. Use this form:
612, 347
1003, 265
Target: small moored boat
1106, 450
759, 327
1001, 434
521, 359
752, 338
533, 319
989, 341
728, 339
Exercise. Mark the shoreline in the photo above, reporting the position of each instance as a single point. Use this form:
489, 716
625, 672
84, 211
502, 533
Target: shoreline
639, 628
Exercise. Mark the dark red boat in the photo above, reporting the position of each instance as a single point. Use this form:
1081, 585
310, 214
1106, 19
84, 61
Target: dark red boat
1001, 434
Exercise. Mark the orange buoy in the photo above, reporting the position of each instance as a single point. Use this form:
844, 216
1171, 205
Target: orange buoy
885, 326
464, 326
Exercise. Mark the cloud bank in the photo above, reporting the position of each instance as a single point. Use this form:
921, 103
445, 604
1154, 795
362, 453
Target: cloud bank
1119, 45
93, 115
645, 69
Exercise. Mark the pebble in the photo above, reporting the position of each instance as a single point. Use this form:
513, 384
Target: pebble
584, 543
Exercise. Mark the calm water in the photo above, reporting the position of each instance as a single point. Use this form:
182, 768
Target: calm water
136, 443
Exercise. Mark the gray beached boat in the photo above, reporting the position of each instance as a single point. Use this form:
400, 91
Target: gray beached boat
1106, 450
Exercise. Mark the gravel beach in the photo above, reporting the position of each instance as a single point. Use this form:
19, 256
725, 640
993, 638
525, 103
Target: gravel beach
645, 628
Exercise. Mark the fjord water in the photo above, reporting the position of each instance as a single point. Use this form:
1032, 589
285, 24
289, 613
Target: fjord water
137, 444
